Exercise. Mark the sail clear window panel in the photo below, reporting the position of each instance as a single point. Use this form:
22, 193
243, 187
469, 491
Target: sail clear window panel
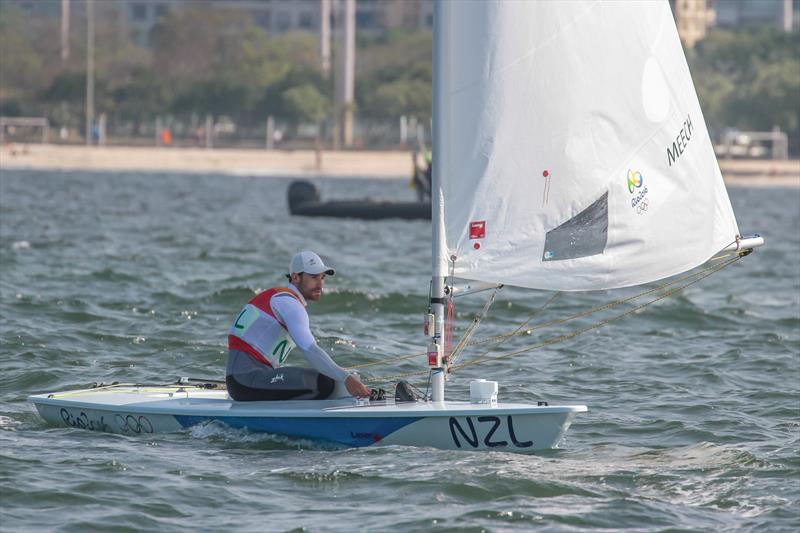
583, 235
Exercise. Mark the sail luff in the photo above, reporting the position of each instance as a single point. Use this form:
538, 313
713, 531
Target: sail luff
440, 166
439, 161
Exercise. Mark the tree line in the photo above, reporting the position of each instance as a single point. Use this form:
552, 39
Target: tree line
749, 79
203, 61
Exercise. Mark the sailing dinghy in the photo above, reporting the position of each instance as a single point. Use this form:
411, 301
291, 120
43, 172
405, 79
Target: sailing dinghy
571, 155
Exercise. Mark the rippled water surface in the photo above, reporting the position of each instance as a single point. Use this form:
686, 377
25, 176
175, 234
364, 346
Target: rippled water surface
694, 420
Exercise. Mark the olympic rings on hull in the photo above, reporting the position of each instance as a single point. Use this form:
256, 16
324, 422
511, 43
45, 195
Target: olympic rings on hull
133, 424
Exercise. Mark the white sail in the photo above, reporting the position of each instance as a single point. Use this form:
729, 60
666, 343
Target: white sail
573, 153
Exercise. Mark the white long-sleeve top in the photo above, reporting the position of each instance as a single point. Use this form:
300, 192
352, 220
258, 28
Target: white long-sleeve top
292, 312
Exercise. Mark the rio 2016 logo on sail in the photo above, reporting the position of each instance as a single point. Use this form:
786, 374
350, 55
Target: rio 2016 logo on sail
636, 182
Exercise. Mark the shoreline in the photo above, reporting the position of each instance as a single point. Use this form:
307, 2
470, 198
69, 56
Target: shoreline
383, 164
226, 161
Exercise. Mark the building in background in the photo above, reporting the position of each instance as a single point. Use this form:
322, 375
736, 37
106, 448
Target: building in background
277, 17
693, 18
783, 14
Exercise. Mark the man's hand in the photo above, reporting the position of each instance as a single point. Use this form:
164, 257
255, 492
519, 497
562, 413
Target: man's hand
355, 387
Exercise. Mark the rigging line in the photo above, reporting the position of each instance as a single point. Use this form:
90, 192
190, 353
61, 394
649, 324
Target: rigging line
411, 356
384, 361
699, 276
596, 309
476, 291
605, 307
516, 331
599, 324
399, 357
458, 347
447, 334
473, 327
386, 379
519, 331
502, 340
151, 387
423, 372
536, 312
568, 336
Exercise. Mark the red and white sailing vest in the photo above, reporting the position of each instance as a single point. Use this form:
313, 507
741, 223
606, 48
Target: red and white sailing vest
259, 333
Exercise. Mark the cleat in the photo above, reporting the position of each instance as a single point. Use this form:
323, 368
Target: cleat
377, 394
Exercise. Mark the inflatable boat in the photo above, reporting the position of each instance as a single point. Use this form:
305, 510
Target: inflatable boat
304, 200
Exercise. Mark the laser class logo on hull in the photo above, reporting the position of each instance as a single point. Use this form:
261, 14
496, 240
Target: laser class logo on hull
640, 201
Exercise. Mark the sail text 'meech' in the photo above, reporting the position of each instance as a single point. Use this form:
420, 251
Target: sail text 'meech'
681, 140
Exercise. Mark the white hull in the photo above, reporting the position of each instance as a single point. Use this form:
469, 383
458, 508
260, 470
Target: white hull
447, 425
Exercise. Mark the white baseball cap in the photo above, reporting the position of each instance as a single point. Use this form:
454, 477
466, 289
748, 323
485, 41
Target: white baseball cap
310, 263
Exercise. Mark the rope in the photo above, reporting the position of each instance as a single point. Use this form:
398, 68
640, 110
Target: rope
395, 377
504, 338
460, 346
605, 307
519, 331
384, 361
602, 323
448, 325
473, 327
448, 329
700, 275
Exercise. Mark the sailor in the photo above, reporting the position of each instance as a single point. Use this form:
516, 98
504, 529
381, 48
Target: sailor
421, 177
267, 329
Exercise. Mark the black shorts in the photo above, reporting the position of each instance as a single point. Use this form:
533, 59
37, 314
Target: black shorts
284, 383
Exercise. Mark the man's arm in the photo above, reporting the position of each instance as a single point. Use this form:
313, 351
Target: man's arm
294, 315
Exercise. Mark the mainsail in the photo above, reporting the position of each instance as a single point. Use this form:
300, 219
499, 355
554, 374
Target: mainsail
574, 154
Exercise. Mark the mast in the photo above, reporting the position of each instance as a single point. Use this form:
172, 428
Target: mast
435, 348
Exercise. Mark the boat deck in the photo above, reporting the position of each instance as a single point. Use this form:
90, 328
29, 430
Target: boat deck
198, 401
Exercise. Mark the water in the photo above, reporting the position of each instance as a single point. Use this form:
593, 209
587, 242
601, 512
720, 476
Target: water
694, 419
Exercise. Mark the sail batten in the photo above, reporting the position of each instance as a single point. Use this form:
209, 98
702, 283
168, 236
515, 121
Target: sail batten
574, 154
